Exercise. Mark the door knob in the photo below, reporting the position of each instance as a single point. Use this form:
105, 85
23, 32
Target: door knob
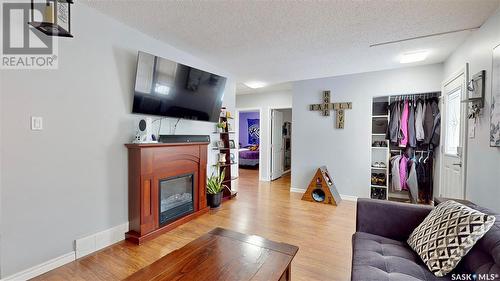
457, 164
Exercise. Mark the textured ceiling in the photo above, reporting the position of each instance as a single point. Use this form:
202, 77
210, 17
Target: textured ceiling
277, 41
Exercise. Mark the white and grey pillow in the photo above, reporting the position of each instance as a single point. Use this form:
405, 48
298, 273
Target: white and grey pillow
447, 234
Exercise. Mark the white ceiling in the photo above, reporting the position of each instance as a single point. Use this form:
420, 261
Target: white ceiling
278, 41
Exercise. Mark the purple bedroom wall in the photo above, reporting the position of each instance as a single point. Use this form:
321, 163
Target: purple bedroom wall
244, 116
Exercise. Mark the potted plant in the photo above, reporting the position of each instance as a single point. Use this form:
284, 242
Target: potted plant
221, 126
215, 188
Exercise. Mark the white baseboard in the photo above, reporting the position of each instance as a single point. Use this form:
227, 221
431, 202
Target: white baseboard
298, 190
344, 197
95, 242
349, 197
41, 268
83, 247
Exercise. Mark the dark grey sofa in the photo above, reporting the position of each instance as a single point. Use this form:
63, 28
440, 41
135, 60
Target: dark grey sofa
380, 251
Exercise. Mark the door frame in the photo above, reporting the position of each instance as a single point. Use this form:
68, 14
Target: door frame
464, 135
269, 133
237, 127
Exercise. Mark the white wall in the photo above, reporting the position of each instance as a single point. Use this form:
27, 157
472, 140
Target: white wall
346, 152
70, 180
483, 166
265, 101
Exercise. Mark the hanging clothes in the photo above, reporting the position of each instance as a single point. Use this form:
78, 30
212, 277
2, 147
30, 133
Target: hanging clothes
395, 182
412, 181
403, 175
404, 125
392, 129
419, 119
412, 138
436, 128
428, 122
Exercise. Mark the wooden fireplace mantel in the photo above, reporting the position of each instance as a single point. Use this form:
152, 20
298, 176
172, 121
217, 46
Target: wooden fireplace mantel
147, 165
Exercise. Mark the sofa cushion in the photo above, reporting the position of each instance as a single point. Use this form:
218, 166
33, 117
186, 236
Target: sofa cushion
447, 234
484, 257
377, 258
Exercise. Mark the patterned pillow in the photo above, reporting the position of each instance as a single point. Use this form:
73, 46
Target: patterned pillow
447, 234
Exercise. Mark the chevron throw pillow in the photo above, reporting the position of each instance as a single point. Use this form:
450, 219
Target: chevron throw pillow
447, 234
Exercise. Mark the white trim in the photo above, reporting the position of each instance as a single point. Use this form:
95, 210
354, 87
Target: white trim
343, 196
41, 268
92, 243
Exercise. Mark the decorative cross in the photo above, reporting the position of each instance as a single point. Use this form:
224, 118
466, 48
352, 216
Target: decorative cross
326, 106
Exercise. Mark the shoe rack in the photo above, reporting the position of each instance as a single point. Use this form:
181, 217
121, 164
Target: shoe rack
380, 152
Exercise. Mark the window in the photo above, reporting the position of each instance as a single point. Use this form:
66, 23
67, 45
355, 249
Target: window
452, 141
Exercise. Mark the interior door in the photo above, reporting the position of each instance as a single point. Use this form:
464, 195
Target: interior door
453, 146
277, 151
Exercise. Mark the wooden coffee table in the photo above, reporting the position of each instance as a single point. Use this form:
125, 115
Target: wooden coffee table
223, 254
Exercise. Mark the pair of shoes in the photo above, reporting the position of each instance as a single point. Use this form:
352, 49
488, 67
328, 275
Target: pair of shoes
378, 179
379, 144
378, 193
379, 165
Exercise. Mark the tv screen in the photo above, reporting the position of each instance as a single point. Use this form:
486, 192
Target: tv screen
166, 88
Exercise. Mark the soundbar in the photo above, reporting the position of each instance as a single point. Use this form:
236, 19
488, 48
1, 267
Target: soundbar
184, 138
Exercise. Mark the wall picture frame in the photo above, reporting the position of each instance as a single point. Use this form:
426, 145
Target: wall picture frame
495, 99
232, 144
220, 144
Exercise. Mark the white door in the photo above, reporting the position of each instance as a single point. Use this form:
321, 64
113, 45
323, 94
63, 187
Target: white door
453, 149
277, 151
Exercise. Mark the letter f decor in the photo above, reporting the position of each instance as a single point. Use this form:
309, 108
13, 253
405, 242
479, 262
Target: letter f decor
326, 106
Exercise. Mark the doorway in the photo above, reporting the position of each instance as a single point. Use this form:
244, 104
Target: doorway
281, 142
454, 150
249, 151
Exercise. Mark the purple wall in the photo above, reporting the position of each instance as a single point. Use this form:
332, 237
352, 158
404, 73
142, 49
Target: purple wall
244, 125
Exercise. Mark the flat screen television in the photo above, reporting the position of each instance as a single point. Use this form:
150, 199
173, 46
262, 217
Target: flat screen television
166, 88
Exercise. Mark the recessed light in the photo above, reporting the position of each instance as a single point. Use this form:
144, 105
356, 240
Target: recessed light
255, 84
414, 56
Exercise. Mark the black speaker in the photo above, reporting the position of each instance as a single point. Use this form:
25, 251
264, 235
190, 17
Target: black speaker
184, 138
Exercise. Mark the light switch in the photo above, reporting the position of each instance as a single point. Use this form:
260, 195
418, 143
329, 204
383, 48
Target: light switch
36, 123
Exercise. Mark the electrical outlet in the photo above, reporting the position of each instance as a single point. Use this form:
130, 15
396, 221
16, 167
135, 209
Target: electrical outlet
36, 123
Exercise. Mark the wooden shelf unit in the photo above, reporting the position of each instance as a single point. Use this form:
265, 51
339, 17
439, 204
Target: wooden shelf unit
228, 193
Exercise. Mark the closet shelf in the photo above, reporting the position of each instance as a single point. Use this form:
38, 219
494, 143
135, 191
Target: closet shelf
379, 186
378, 168
380, 147
380, 116
374, 134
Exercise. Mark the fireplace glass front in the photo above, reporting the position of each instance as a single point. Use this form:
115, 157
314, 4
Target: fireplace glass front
176, 198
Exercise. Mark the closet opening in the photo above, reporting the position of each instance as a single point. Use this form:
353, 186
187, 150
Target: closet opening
405, 141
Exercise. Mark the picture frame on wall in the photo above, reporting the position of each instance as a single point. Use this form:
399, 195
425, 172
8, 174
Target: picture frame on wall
495, 99
231, 144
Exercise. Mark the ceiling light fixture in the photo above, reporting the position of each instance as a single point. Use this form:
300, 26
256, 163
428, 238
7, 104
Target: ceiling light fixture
414, 56
255, 84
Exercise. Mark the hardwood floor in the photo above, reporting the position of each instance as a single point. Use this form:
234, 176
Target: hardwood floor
322, 233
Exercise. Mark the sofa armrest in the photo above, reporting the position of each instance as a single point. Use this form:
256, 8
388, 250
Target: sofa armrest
389, 219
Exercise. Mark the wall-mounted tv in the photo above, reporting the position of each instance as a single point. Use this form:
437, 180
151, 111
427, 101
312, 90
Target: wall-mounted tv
166, 88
